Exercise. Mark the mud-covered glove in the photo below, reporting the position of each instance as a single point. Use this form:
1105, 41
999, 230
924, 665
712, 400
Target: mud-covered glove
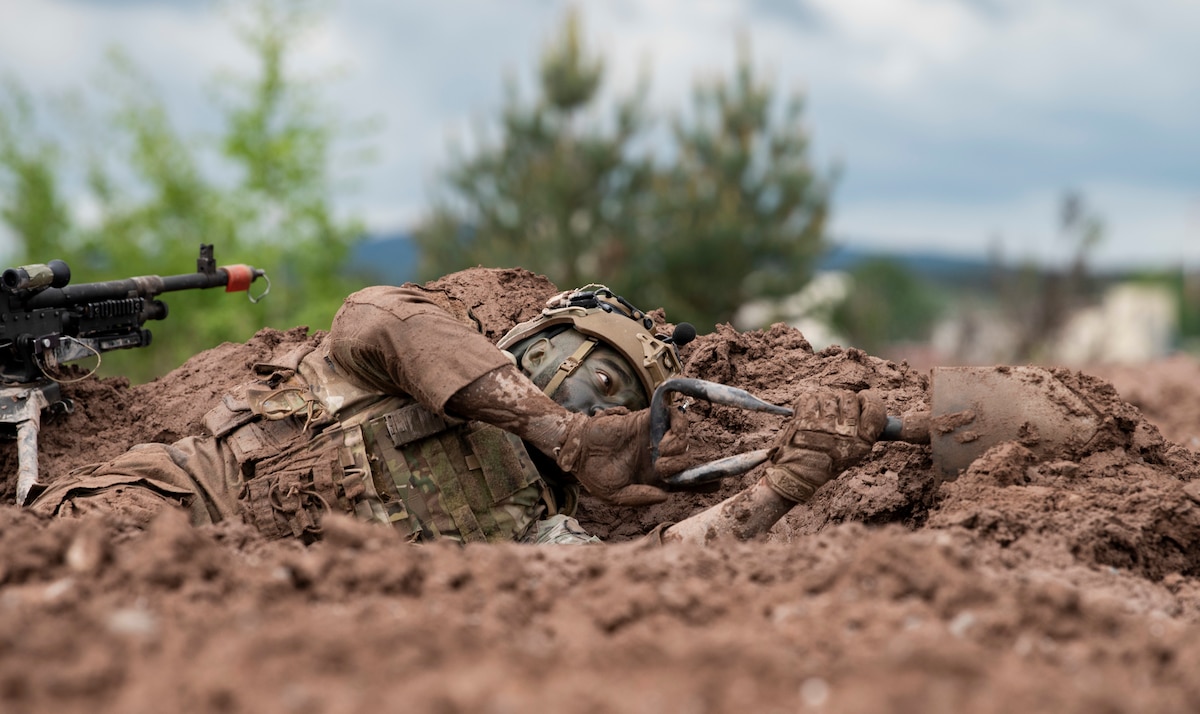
610, 455
830, 431
677, 452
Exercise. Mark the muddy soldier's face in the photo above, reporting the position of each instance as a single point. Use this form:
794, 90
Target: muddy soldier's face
603, 381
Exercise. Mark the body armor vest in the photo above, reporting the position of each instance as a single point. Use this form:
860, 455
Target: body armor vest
309, 441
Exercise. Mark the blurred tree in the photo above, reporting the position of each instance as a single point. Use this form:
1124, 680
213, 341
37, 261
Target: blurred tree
1051, 296
736, 212
1084, 230
265, 199
888, 304
1188, 283
30, 197
741, 213
554, 193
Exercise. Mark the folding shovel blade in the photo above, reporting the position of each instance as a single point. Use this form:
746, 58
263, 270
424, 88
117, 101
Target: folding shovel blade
976, 408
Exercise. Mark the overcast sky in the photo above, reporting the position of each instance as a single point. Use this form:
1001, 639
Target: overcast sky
958, 123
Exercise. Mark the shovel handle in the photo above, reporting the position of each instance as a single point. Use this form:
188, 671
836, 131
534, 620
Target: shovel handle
913, 428
714, 392
739, 464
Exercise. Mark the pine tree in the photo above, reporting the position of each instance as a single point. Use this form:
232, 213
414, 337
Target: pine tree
731, 211
741, 214
553, 194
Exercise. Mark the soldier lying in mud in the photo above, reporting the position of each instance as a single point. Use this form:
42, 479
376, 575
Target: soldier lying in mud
405, 414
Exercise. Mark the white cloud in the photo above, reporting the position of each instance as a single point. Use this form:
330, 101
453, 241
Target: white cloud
894, 45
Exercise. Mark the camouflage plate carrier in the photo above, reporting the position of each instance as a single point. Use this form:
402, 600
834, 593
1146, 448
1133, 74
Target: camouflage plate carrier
308, 442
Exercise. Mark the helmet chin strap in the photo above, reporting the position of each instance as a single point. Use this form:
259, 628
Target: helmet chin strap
569, 365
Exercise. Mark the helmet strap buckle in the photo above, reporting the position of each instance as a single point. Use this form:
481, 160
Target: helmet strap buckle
569, 365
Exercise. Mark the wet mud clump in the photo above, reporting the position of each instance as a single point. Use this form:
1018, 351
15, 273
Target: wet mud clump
1067, 582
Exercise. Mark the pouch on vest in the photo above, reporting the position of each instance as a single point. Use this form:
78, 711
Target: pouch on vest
473, 482
293, 489
281, 370
229, 414
236, 410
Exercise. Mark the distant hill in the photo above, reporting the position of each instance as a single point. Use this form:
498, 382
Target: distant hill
388, 259
392, 259
931, 266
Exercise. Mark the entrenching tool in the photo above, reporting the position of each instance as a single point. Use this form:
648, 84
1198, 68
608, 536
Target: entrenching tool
972, 409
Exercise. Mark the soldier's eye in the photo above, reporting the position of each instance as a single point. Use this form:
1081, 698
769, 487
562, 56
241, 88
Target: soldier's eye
606, 381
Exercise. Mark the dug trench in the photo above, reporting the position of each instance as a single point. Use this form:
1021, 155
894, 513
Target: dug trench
1064, 584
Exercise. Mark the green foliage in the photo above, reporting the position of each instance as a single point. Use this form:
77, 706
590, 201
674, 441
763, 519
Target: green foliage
888, 304
1189, 306
735, 213
30, 200
261, 193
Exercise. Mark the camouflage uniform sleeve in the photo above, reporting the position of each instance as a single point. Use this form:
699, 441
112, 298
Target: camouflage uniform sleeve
411, 341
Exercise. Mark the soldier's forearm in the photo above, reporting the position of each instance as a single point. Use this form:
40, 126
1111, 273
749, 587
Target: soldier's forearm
506, 398
743, 516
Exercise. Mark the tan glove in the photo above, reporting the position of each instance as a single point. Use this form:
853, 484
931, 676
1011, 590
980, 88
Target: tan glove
610, 455
830, 431
677, 453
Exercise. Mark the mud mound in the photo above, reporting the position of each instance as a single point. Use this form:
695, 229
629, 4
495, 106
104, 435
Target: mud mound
852, 619
1067, 584
1166, 394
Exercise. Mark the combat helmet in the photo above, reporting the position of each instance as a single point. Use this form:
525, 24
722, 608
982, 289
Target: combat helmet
605, 317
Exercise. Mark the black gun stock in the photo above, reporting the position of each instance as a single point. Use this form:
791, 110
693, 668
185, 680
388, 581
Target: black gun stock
45, 322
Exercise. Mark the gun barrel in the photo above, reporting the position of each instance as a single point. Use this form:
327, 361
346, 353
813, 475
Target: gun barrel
144, 286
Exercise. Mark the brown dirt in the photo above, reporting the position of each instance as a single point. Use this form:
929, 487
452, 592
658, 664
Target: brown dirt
1062, 585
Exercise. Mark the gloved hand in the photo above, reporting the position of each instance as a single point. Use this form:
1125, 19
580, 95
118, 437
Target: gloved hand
676, 452
830, 431
610, 455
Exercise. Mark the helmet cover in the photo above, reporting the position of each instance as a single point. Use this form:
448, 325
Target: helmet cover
598, 313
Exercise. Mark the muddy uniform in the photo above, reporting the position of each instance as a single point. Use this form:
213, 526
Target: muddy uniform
341, 426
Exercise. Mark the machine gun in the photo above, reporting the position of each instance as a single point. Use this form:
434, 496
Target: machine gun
45, 322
